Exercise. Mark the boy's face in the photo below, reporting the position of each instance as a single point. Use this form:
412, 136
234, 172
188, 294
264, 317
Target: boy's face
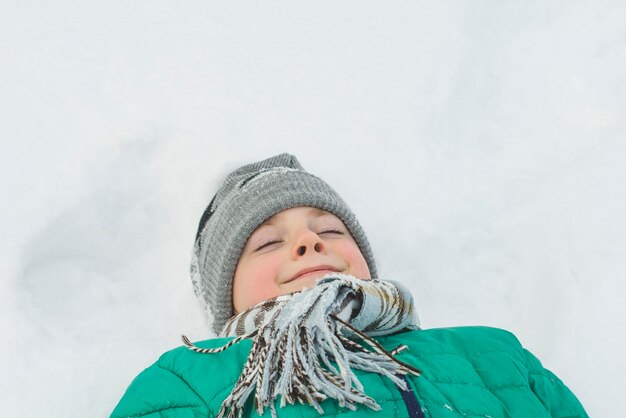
294, 240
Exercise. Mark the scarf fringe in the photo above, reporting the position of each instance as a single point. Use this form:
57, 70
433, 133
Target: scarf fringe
300, 354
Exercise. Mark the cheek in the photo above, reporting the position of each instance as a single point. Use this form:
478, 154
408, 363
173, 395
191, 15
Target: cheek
254, 282
358, 265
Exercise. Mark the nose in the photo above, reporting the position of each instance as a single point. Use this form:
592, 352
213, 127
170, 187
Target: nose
308, 242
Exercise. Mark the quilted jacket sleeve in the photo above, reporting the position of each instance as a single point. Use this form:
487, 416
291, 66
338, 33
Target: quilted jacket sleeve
551, 391
159, 392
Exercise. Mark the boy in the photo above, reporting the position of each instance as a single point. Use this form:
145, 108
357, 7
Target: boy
281, 263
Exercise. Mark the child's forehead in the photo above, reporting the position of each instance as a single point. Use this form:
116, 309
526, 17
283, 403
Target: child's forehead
305, 210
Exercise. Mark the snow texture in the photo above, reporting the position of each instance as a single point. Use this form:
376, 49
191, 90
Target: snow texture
481, 144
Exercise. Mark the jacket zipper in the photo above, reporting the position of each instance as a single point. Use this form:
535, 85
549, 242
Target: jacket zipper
410, 400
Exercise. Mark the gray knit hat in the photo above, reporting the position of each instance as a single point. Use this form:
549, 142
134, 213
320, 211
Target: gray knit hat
250, 195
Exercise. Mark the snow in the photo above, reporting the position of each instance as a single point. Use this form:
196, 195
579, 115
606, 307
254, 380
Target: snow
480, 144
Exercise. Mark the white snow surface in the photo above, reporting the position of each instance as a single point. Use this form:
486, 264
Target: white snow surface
481, 144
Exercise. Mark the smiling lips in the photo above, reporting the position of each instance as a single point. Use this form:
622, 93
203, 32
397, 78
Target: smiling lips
324, 268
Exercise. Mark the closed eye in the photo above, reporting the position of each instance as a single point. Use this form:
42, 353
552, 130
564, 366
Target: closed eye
326, 231
331, 231
268, 243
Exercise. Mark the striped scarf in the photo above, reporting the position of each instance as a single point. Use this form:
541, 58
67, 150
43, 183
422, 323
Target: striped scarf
297, 338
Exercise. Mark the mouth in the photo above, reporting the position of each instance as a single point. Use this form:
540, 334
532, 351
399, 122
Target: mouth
313, 271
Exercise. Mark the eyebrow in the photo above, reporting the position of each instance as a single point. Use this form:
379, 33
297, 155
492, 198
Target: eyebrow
317, 211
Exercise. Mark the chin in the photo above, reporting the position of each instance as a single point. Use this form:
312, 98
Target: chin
300, 284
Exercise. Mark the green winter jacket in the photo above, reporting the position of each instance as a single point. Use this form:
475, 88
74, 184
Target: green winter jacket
466, 372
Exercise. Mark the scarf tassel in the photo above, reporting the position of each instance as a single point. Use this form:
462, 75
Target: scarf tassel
301, 352
302, 378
